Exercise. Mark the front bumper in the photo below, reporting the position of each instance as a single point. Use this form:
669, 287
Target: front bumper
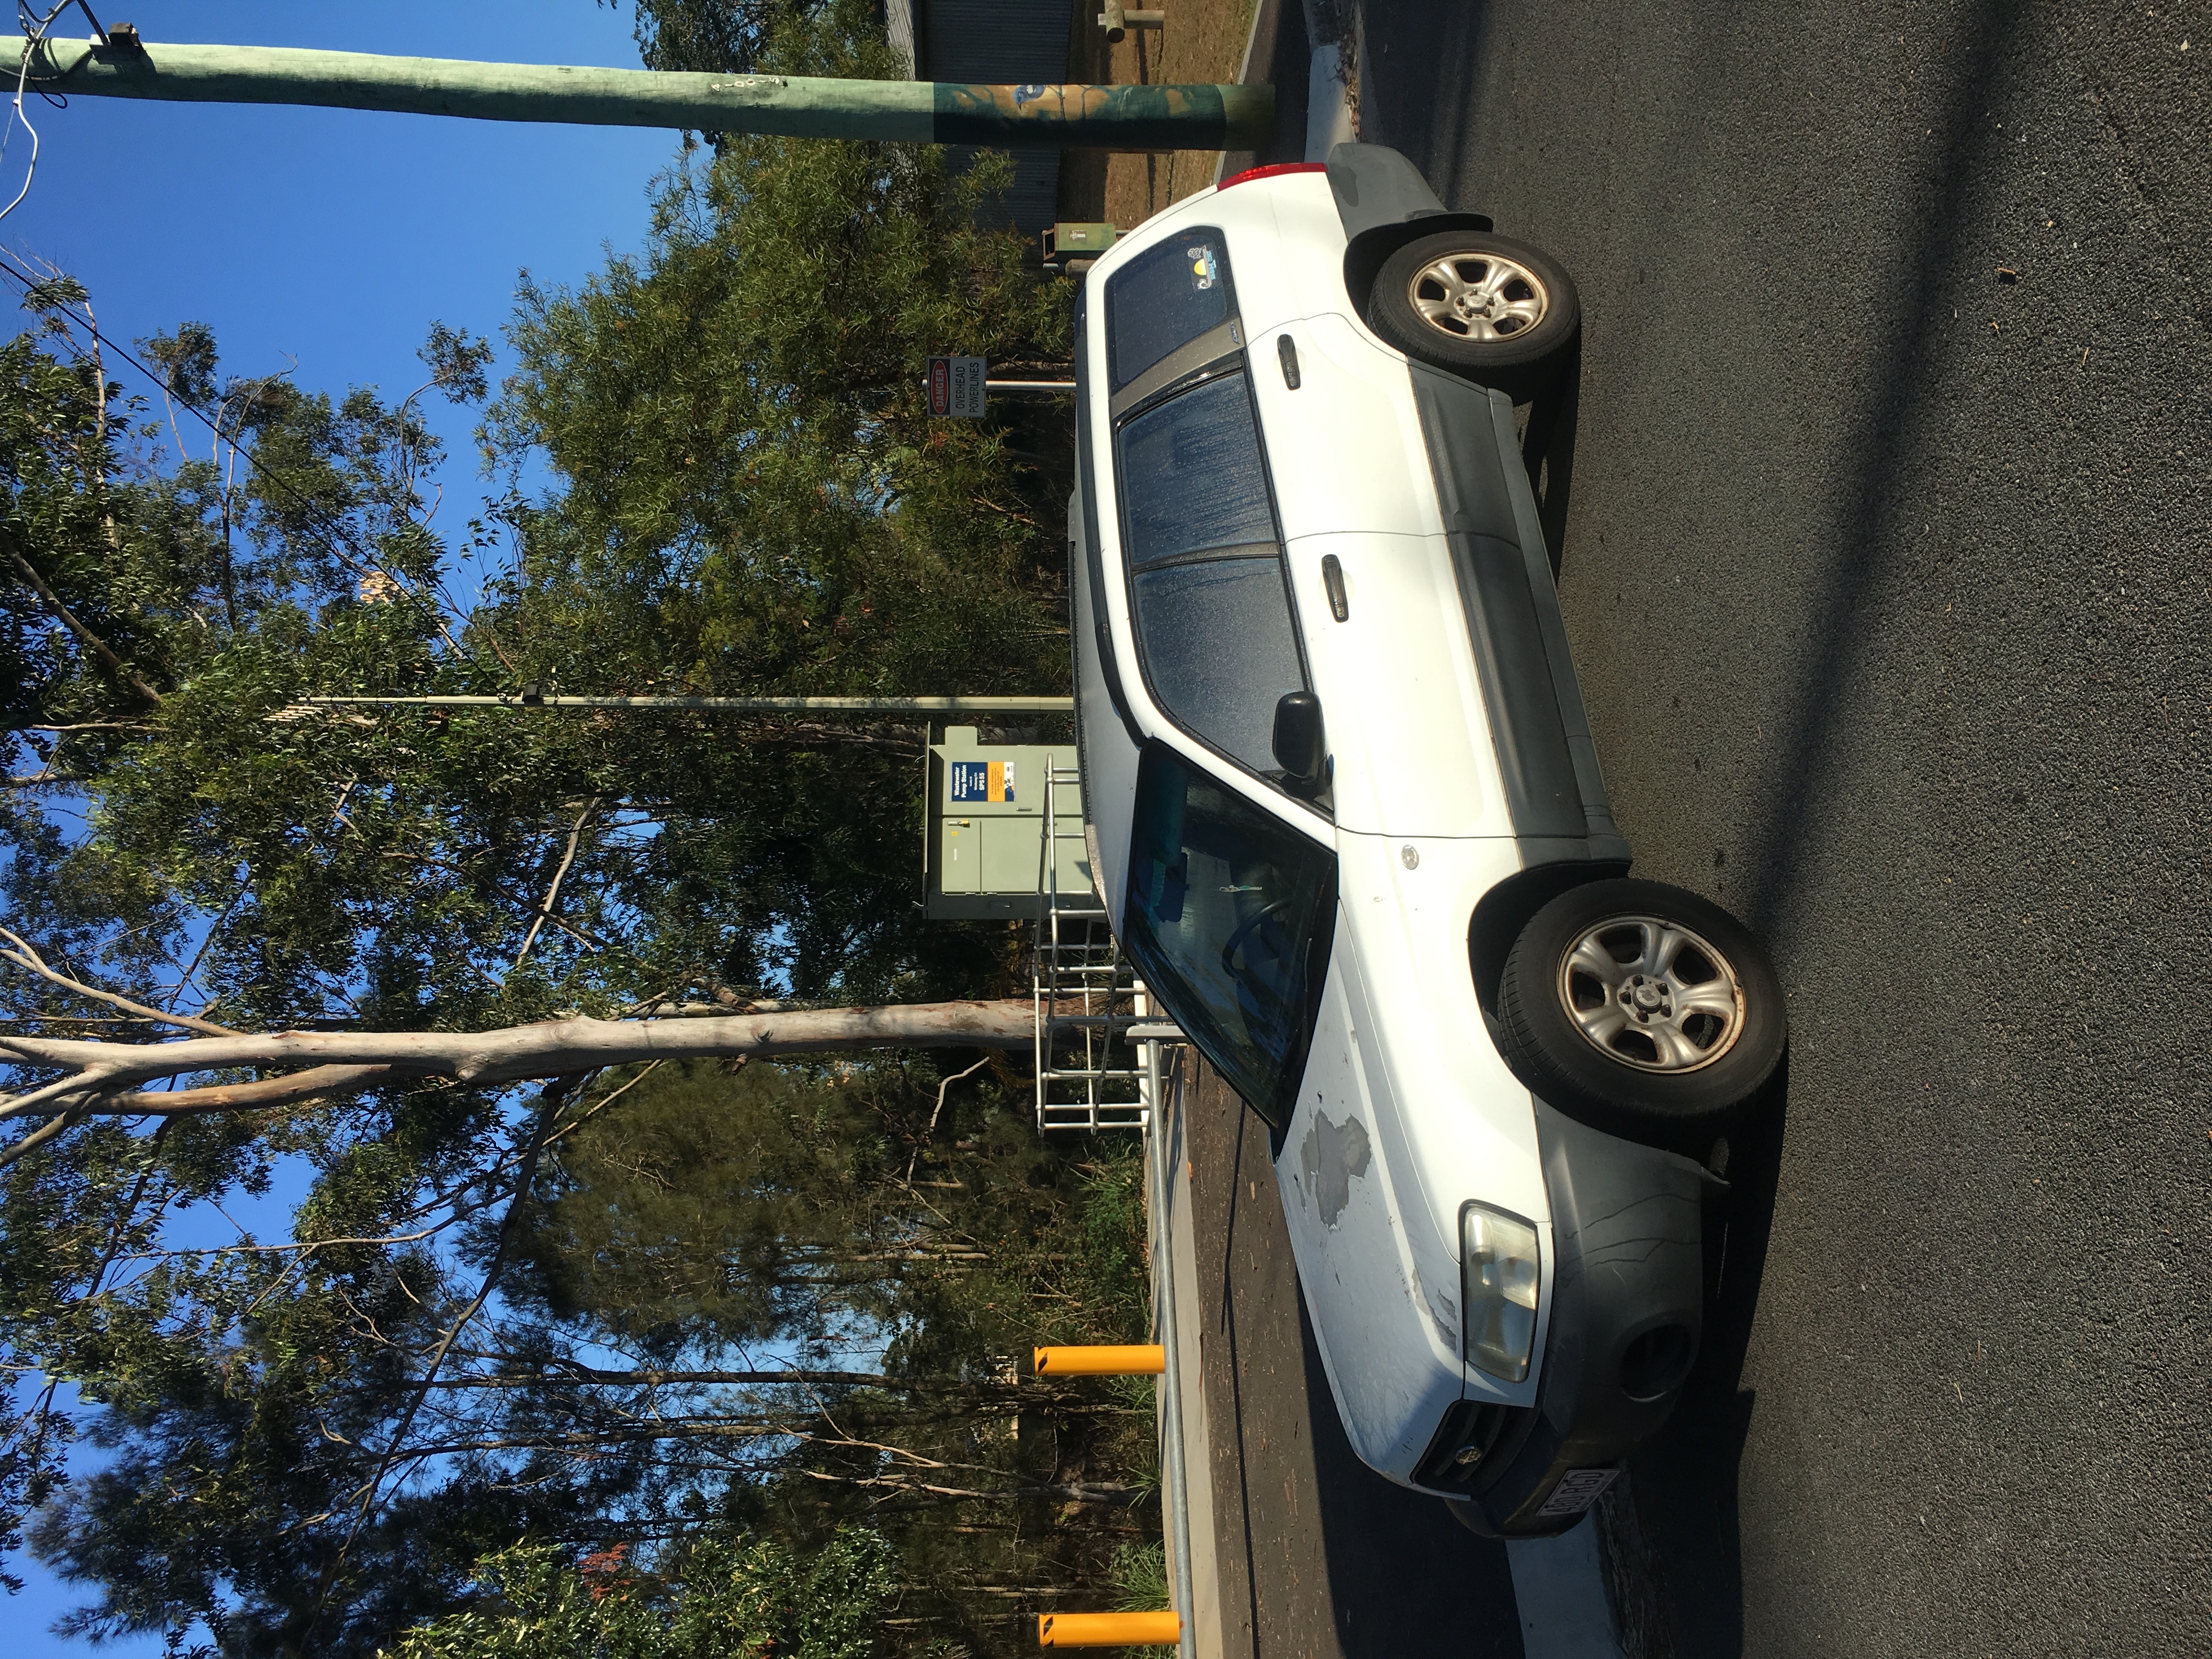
1627, 1310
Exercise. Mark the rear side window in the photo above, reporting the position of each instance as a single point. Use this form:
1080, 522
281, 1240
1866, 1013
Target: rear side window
1214, 623
1192, 478
1165, 298
1220, 651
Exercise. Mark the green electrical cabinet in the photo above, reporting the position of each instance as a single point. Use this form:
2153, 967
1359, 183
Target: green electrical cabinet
1074, 248
984, 848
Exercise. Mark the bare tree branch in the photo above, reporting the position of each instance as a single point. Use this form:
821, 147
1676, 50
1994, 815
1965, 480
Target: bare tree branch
24, 956
316, 1082
553, 893
935, 1110
542, 1121
551, 1049
39, 1136
540, 911
346, 1063
1102, 1492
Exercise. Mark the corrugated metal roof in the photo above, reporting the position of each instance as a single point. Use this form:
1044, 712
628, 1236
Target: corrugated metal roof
995, 41
1001, 43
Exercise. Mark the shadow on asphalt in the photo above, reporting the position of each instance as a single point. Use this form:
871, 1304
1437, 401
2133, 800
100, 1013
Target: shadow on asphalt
1685, 1482
1430, 99
1423, 95
1886, 438
1548, 450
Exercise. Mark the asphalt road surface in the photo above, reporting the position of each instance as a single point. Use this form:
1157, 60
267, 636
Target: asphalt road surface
1885, 560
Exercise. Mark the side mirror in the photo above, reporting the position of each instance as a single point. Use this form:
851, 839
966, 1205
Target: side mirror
1300, 748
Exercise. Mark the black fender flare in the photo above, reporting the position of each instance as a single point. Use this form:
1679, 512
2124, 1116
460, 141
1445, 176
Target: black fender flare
1384, 204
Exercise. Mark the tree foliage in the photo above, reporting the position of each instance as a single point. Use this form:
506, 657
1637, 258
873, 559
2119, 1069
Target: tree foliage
757, 494
713, 1601
707, 35
721, 1310
701, 1314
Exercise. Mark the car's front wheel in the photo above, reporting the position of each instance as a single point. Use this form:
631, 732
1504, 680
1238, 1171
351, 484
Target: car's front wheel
1499, 312
1642, 1009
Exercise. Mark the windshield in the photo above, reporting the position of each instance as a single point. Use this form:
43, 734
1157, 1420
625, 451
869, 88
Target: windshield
1229, 915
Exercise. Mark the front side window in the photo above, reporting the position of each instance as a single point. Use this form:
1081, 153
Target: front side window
1229, 920
1166, 297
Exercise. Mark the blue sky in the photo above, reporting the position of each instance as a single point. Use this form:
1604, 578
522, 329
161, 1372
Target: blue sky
329, 237
334, 237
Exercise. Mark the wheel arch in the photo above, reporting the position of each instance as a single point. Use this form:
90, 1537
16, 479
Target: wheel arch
1371, 249
1384, 202
1505, 909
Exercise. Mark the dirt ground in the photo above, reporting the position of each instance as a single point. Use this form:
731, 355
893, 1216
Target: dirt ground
1201, 42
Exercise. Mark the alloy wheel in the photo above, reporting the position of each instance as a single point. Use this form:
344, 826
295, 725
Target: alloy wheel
1652, 994
1479, 297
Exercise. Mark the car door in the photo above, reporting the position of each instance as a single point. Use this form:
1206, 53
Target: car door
1385, 634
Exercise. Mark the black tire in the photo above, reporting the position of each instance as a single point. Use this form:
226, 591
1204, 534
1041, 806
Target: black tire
1645, 1055
1519, 362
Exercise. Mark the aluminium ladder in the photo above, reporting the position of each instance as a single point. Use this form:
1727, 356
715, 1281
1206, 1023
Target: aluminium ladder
1090, 1004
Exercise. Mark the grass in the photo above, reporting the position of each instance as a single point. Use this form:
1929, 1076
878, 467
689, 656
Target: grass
1140, 1581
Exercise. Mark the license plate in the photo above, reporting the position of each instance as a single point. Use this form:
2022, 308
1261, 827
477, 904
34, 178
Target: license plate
1577, 1489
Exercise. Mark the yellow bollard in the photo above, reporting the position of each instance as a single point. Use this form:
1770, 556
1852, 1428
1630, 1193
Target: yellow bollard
1107, 1630
1137, 1359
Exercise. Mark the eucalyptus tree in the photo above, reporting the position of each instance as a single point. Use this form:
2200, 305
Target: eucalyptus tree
466, 980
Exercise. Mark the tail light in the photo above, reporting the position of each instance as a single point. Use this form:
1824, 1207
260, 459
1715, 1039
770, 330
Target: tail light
1274, 172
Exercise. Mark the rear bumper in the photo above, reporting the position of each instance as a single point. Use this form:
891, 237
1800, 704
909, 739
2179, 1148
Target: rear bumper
1627, 1311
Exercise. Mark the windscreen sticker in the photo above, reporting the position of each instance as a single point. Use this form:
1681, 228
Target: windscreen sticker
982, 780
1205, 269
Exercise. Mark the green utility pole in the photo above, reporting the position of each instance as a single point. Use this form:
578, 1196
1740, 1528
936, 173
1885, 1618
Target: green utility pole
793, 107
983, 705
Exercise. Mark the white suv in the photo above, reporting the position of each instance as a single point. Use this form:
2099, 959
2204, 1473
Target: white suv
1345, 814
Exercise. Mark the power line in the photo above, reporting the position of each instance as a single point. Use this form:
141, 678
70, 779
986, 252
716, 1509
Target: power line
361, 559
34, 34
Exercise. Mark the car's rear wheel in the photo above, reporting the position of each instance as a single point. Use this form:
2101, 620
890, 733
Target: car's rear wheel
1643, 1010
1499, 312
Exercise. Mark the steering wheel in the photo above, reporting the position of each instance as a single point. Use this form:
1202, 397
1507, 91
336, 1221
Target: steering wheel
1244, 929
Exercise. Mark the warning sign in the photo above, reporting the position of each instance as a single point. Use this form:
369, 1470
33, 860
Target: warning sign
981, 781
956, 387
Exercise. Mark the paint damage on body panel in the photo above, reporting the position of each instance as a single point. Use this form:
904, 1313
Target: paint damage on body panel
1331, 1157
1444, 1312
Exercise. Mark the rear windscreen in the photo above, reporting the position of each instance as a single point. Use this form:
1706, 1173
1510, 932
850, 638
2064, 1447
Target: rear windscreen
1165, 298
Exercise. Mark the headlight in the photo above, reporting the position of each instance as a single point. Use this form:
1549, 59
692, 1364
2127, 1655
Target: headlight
1498, 1288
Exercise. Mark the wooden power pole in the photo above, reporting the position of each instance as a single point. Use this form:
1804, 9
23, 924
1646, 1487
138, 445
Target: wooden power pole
1139, 118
